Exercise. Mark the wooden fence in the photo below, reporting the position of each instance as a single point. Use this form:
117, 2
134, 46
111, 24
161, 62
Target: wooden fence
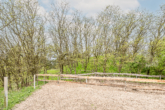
102, 78
124, 74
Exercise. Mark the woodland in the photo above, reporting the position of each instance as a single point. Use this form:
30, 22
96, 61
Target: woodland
114, 41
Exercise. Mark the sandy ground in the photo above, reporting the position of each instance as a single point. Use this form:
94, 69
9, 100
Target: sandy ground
73, 96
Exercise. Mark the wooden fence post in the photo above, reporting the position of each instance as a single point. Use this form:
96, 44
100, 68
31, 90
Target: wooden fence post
34, 81
6, 91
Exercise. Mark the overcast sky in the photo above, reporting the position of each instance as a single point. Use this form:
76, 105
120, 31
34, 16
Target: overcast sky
92, 7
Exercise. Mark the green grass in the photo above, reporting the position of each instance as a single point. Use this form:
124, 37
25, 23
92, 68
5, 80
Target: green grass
48, 78
128, 67
51, 71
1, 89
15, 97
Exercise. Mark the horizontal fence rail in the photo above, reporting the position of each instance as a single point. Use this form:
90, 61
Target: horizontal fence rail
103, 78
126, 74
46, 75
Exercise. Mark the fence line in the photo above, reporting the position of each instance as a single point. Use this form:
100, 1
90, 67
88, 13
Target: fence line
126, 74
97, 73
105, 78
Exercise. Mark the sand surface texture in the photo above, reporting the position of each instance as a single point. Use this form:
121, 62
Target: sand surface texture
73, 96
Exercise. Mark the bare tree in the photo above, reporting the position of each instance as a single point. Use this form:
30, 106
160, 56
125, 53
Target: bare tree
157, 32
87, 39
23, 42
58, 30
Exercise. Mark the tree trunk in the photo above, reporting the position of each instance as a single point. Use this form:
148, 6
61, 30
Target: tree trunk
120, 65
62, 69
70, 68
22, 82
119, 69
85, 68
75, 66
105, 65
148, 71
96, 65
10, 83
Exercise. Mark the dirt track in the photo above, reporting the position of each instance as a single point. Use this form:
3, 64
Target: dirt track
72, 96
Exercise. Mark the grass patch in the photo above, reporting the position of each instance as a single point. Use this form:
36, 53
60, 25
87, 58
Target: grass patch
1, 89
53, 71
47, 78
15, 97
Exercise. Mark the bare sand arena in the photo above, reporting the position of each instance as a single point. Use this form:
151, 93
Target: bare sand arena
74, 96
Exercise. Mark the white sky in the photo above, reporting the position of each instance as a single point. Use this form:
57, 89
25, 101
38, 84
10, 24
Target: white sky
92, 7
